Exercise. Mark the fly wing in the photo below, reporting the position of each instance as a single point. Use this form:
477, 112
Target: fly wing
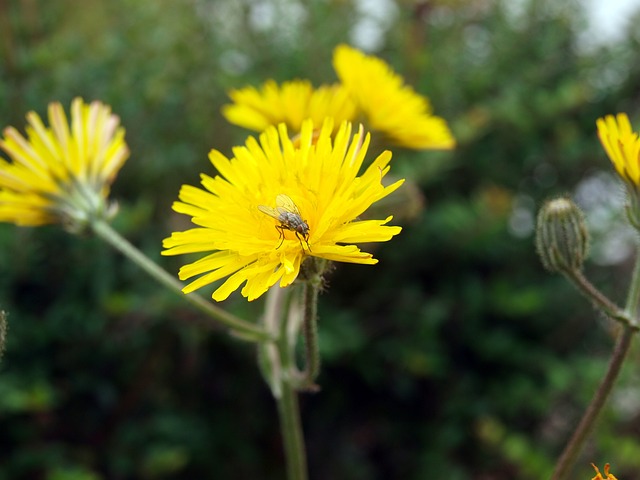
284, 203
272, 212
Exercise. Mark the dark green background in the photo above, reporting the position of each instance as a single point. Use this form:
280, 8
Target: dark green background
456, 357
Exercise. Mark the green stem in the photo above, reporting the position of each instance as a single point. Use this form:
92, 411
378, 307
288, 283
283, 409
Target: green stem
633, 297
239, 327
310, 331
289, 409
3, 331
291, 428
630, 327
268, 352
579, 437
601, 301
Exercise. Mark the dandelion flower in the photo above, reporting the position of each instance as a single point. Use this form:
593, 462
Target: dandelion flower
609, 476
61, 173
390, 107
314, 179
622, 146
290, 103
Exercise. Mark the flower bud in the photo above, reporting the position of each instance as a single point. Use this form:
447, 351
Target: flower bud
562, 240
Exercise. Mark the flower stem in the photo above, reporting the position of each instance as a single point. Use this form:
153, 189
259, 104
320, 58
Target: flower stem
289, 409
623, 343
310, 331
291, 428
574, 447
599, 300
633, 297
239, 327
3, 331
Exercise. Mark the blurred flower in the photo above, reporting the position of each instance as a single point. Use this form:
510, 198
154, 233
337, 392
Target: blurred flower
622, 146
61, 173
599, 476
312, 186
290, 103
390, 107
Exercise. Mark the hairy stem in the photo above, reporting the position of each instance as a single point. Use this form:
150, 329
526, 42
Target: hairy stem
310, 331
239, 327
289, 408
3, 331
579, 437
629, 320
598, 298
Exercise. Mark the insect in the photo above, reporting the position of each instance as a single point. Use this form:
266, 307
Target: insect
287, 213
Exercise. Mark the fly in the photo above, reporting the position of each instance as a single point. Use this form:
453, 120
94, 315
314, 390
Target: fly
287, 213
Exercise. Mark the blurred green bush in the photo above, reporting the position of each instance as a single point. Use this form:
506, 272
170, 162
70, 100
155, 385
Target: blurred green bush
457, 356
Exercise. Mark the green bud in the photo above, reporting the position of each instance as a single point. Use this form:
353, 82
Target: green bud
562, 240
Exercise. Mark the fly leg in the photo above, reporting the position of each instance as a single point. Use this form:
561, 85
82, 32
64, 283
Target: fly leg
301, 237
281, 229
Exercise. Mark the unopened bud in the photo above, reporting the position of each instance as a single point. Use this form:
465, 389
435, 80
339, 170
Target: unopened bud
562, 240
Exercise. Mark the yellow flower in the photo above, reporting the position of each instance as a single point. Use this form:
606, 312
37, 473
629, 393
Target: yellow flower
61, 173
622, 146
312, 185
391, 107
290, 103
599, 476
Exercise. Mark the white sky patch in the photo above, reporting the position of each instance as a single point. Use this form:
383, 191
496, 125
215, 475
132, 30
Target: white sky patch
608, 20
602, 199
262, 16
276, 15
522, 219
375, 17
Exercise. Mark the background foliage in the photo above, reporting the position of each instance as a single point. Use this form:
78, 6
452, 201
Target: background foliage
455, 357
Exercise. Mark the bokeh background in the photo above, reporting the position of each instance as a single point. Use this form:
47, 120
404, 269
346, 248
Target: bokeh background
455, 357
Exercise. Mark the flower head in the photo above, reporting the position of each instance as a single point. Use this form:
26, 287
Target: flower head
290, 103
391, 107
61, 173
622, 146
609, 476
277, 202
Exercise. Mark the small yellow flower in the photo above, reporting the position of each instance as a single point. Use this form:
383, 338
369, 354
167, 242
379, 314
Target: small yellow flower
609, 476
313, 188
391, 107
61, 173
290, 103
622, 146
